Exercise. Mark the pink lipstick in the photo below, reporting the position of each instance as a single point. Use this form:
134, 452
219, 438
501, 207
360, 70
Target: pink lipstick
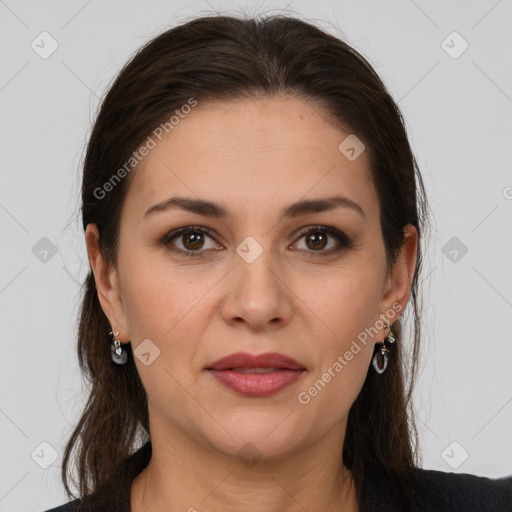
256, 375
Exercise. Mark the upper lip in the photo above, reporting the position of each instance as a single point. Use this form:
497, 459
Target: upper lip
246, 360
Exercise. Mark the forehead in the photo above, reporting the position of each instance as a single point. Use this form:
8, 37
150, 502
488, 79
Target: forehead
249, 153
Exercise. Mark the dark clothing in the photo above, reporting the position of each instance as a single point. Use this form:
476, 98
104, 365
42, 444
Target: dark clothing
433, 491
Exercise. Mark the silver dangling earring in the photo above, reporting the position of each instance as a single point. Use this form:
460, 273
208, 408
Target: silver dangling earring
119, 356
383, 353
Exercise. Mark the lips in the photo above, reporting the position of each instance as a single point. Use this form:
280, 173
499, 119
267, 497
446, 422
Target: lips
244, 360
256, 375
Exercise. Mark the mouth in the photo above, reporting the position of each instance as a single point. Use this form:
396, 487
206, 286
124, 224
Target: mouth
243, 360
256, 375
254, 370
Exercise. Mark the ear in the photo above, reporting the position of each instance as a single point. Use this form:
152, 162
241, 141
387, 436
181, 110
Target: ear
107, 284
398, 283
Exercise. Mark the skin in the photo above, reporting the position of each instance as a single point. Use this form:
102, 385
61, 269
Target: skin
254, 156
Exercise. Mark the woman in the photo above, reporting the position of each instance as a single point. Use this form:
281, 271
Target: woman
253, 216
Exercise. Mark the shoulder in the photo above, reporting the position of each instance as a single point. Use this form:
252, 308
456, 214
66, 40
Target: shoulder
114, 494
71, 506
441, 491
428, 490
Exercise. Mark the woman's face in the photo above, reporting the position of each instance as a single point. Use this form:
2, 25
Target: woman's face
255, 282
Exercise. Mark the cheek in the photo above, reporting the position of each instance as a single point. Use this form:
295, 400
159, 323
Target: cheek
343, 364
156, 298
348, 307
348, 302
145, 298
169, 308
165, 308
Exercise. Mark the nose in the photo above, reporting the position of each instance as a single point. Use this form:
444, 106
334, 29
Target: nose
257, 295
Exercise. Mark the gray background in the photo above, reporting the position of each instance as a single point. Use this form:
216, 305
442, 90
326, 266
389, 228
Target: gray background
459, 116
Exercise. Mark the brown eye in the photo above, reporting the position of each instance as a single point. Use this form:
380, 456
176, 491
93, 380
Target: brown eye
316, 241
317, 238
190, 241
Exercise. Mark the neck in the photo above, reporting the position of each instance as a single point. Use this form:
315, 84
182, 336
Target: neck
185, 476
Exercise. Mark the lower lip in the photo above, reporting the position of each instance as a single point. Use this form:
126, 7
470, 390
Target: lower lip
257, 384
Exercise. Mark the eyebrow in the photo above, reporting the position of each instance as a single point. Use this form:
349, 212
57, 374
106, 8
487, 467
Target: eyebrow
211, 209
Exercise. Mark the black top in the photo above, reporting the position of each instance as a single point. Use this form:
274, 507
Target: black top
433, 491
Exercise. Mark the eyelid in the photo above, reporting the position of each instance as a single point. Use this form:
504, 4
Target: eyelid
166, 240
340, 236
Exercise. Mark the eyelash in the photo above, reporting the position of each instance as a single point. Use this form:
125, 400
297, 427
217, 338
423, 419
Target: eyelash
342, 239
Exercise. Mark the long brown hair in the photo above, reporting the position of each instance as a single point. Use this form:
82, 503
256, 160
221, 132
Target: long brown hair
222, 58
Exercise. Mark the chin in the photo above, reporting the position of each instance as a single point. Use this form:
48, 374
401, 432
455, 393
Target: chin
256, 436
